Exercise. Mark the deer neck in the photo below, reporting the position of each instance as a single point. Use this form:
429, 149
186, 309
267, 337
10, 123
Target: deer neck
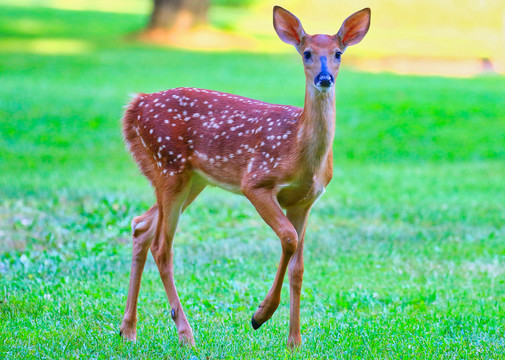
317, 126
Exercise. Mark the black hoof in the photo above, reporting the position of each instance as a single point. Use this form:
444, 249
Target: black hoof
255, 324
120, 333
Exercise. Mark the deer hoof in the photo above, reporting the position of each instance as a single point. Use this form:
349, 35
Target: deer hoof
294, 342
128, 334
255, 324
186, 338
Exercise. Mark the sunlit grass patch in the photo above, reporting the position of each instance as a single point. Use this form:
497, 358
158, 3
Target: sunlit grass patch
46, 46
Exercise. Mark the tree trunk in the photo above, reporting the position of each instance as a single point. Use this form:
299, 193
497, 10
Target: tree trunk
178, 15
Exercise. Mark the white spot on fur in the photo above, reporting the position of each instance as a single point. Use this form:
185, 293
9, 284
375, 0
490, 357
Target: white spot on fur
249, 166
143, 143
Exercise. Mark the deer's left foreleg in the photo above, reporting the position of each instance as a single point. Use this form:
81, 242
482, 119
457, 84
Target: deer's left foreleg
266, 204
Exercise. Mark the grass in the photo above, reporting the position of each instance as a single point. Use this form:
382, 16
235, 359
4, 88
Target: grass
404, 255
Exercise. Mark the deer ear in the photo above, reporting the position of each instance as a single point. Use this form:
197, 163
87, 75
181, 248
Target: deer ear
354, 28
288, 27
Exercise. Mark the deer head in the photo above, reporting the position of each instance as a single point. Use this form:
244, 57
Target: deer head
321, 54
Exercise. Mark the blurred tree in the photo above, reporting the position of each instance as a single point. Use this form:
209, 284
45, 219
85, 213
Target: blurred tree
179, 15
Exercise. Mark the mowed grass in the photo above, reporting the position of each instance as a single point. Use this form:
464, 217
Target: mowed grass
405, 252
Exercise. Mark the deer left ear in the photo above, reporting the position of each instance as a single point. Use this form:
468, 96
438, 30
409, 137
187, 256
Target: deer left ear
288, 27
354, 28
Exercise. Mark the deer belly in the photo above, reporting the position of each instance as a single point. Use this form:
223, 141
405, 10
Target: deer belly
223, 183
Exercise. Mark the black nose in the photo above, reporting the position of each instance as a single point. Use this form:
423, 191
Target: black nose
323, 79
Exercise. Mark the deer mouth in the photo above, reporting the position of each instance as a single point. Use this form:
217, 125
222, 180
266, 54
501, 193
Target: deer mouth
324, 88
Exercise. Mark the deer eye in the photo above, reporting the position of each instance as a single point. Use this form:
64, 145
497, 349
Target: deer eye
338, 54
307, 55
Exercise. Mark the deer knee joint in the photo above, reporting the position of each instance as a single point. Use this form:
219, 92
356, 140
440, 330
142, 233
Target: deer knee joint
138, 226
141, 243
289, 241
144, 223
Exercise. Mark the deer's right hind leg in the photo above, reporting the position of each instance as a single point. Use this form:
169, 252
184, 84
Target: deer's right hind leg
143, 229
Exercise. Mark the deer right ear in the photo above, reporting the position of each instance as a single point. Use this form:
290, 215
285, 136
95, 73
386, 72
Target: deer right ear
354, 28
288, 27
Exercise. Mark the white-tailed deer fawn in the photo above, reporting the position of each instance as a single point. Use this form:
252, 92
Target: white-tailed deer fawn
277, 156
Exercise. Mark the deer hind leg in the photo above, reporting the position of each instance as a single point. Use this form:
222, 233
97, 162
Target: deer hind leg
298, 217
267, 206
143, 229
161, 248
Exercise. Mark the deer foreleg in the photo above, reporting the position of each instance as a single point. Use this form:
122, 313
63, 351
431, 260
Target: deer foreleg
298, 217
267, 206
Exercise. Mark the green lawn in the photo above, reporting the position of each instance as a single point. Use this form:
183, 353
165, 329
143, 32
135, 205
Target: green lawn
405, 252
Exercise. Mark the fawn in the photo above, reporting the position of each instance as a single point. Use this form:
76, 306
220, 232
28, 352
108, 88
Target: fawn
277, 156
